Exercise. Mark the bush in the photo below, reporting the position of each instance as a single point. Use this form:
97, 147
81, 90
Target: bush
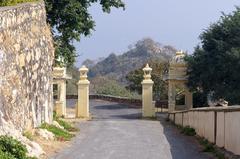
188, 131
67, 126
60, 134
13, 2
5, 155
28, 135
11, 148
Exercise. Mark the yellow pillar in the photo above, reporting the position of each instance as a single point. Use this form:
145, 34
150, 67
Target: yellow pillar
148, 109
82, 110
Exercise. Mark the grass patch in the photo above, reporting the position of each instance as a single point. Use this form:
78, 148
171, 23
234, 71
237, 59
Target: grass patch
67, 126
188, 131
150, 118
11, 148
60, 134
28, 135
209, 147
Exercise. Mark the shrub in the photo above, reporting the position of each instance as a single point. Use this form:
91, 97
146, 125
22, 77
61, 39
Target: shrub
188, 131
60, 134
13, 2
5, 155
11, 148
208, 147
67, 125
55, 117
28, 135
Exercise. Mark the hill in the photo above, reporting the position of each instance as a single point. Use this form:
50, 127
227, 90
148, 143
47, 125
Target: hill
117, 67
112, 71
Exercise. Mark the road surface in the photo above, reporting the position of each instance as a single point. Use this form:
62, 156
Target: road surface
118, 132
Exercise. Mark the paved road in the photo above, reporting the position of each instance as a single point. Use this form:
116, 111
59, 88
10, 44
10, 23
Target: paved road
118, 132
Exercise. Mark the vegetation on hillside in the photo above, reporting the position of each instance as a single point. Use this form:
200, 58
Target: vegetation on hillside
215, 65
108, 76
160, 87
72, 86
13, 2
106, 86
117, 67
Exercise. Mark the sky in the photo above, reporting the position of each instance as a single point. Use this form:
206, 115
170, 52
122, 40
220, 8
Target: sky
170, 22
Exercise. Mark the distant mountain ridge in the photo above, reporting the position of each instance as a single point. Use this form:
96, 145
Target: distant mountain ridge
118, 66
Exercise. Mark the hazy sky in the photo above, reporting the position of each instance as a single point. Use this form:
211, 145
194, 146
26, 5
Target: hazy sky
173, 22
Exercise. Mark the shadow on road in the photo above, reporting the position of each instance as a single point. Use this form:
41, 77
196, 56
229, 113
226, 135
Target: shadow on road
181, 146
112, 107
128, 116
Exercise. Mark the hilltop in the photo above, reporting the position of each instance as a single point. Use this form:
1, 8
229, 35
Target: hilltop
118, 66
115, 68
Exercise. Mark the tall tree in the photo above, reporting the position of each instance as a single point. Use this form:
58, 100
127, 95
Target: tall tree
69, 20
215, 65
135, 78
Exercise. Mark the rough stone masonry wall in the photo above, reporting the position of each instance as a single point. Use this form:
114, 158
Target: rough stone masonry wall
26, 58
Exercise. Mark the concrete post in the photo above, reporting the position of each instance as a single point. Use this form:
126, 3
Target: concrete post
188, 99
148, 109
63, 96
82, 110
60, 77
171, 96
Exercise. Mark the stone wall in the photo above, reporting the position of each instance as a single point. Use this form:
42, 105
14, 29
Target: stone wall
26, 58
219, 125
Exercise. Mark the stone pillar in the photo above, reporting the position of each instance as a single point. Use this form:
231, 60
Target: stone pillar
60, 77
188, 99
171, 96
148, 109
60, 104
82, 110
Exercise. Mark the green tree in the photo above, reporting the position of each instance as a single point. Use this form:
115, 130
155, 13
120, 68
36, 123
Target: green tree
160, 88
69, 20
215, 65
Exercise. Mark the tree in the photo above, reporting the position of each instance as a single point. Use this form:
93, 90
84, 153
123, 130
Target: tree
214, 67
69, 20
107, 86
160, 88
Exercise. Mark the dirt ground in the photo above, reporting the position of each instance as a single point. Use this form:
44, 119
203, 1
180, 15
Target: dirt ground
52, 147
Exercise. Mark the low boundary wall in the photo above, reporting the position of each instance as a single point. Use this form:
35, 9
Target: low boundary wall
124, 100
220, 125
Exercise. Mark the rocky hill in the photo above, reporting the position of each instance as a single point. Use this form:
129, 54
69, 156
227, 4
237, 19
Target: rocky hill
114, 68
117, 67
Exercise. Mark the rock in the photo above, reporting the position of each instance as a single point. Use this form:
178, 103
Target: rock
45, 134
55, 123
34, 149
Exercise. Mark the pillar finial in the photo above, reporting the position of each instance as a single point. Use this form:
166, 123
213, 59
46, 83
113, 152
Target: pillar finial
147, 72
83, 72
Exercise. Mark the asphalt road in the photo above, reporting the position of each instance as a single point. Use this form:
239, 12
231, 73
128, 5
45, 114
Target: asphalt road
118, 132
